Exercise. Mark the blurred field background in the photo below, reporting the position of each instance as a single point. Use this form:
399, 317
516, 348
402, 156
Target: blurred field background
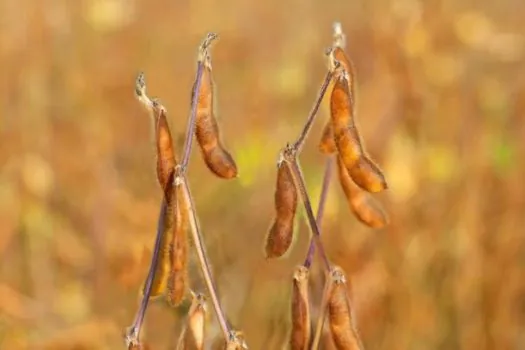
441, 107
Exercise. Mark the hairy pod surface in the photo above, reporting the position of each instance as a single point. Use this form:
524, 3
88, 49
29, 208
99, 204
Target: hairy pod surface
178, 251
215, 155
301, 329
166, 157
348, 66
327, 144
343, 332
280, 236
367, 175
193, 333
346, 136
162, 267
363, 205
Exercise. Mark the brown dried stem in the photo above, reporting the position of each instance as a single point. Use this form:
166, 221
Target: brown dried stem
290, 156
298, 145
323, 309
181, 177
235, 341
133, 332
201, 253
329, 167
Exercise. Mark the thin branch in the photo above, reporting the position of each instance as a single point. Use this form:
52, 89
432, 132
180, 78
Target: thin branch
133, 332
201, 254
291, 159
311, 117
329, 167
203, 53
322, 311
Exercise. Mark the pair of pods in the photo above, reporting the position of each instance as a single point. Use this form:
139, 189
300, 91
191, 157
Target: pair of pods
340, 318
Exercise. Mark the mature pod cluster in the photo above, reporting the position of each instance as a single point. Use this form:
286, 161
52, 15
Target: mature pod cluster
168, 275
358, 174
350, 148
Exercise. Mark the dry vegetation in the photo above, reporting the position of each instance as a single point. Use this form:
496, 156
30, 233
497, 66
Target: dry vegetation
440, 104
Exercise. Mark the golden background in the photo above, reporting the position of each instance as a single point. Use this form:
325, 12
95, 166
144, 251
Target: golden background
441, 107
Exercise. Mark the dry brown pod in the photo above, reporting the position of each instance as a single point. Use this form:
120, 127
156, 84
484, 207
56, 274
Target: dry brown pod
166, 157
361, 168
346, 136
177, 279
162, 267
368, 210
340, 318
367, 175
192, 335
340, 56
327, 143
281, 232
207, 131
301, 329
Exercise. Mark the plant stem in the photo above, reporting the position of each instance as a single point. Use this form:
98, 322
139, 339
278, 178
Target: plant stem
320, 209
133, 332
291, 159
202, 256
190, 129
298, 145
322, 311
191, 121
